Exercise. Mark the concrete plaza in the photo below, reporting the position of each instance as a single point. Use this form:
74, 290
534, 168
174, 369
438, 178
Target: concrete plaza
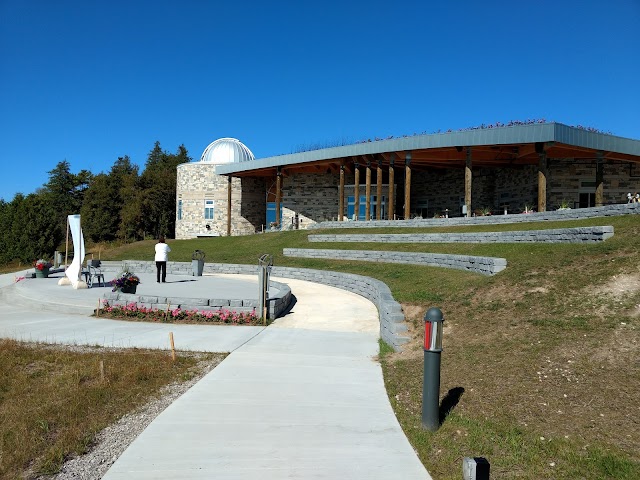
302, 398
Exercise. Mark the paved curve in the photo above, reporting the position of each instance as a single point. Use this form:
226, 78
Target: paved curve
303, 398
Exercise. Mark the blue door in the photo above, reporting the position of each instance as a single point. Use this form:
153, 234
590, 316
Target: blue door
271, 212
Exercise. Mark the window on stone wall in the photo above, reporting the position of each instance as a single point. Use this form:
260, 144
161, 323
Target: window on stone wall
179, 209
208, 209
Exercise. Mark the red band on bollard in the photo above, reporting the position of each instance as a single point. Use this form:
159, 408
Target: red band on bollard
427, 335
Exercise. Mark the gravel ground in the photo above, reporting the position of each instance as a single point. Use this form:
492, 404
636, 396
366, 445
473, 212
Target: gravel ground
113, 440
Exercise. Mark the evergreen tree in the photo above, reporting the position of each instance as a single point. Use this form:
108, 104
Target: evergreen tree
131, 212
6, 220
30, 228
99, 210
159, 190
65, 192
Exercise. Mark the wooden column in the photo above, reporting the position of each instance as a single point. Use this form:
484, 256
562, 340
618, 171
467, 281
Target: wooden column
278, 196
542, 181
391, 201
229, 206
379, 190
367, 192
599, 180
341, 194
356, 191
407, 186
467, 182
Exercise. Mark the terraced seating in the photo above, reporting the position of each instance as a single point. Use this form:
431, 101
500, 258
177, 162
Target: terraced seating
483, 265
556, 235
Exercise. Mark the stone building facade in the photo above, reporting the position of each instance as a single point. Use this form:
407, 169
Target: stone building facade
198, 185
310, 181
202, 194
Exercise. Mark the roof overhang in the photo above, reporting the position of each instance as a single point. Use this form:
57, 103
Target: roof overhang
502, 146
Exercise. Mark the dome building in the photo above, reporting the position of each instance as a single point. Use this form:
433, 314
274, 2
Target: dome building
202, 196
226, 150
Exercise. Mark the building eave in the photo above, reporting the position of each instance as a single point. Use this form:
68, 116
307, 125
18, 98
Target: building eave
568, 140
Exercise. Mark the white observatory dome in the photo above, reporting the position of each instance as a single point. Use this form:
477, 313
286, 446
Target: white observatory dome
226, 150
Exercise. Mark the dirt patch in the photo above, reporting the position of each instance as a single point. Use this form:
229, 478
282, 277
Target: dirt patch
414, 319
619, 285
498, 293
623, 346
413, 315
538, 290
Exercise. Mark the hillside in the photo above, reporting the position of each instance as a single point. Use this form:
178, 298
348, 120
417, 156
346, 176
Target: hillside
541, 362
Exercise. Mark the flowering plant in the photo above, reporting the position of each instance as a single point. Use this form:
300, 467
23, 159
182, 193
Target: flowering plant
126, 279
133, 311
41, 264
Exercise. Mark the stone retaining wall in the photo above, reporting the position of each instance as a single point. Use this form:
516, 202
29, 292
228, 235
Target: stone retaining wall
277, 303
483, 265
558, 215
392, 325
557, 235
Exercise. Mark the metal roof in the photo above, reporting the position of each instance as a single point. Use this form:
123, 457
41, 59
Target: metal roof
226, 150
491, 146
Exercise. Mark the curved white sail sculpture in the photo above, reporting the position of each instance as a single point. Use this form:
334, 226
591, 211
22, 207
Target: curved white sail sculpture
73, 271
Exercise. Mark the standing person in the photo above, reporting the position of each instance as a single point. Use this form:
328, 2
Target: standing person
162, 255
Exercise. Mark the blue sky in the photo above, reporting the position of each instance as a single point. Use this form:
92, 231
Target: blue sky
88, 82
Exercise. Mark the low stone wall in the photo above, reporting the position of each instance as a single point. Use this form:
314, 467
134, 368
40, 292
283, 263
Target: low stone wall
483, 265
558, 215
277, 304
557, 235
392, 325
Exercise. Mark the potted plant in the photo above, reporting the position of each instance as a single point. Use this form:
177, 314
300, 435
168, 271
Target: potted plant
127, 282
42, 268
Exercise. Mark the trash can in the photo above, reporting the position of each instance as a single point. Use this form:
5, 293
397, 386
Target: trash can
197, 263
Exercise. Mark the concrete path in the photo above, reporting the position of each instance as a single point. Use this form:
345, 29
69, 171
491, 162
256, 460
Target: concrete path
303, 398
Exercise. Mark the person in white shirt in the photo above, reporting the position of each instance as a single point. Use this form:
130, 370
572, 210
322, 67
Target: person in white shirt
162, 255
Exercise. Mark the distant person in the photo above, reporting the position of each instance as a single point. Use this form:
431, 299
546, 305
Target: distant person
162, 255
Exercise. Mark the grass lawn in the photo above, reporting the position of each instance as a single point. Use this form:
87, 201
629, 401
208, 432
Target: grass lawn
544, 356
54, 400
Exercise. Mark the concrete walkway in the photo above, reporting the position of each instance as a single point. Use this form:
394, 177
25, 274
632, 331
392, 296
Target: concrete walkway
303, 398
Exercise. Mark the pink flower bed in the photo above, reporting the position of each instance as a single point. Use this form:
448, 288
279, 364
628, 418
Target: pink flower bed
132, 311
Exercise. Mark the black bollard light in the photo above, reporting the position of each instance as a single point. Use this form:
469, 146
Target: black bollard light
433, 326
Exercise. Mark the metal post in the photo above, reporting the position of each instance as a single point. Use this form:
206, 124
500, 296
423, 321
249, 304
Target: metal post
264, 271
261, 295
431, 375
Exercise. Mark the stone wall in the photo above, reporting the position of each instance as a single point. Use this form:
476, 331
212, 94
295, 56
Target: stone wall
393, 328
278, 302
434, 191
566, 177
482, 265
197, 182
517, 186
554, 235
392, 325
571, 214
314, 197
